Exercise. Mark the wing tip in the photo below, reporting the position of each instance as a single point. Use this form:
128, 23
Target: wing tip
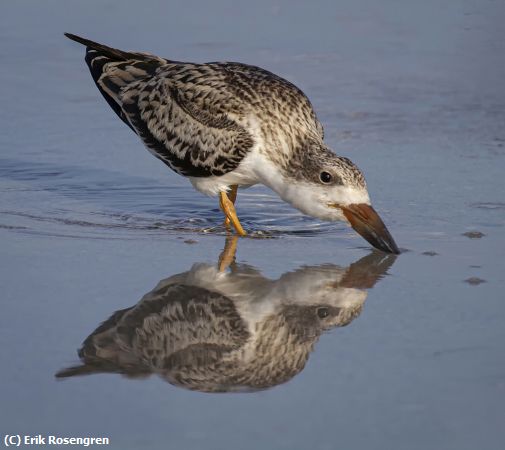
79, 39
110, 52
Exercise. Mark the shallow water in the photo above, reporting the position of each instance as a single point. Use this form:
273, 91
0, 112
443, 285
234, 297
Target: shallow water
90, 223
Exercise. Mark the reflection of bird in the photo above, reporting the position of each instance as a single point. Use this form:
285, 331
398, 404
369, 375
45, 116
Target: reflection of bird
225, 125
214, 331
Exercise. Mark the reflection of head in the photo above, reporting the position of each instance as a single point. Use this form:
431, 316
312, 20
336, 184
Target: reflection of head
211, 331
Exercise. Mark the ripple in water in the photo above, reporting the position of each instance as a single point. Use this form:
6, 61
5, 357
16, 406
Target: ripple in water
488, 205
97, 203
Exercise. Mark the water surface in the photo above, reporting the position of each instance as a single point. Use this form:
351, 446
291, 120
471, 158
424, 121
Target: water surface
90, 223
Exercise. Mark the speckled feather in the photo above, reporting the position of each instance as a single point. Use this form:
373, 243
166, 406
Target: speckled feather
197, 118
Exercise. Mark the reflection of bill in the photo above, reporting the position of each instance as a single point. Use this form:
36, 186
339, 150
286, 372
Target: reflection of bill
220, 329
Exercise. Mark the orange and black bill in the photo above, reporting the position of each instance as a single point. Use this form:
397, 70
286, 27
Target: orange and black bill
367, 222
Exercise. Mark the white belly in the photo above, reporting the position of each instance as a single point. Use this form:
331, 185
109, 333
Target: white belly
244, 175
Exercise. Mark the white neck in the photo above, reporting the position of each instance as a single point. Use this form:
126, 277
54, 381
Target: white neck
309, 198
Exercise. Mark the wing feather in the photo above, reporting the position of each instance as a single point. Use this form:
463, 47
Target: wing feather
176, 122
196, 117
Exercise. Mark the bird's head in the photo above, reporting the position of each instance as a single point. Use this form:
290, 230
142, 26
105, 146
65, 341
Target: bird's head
330, 187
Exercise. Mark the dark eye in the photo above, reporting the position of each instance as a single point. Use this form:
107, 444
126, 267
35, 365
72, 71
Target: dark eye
325, 177
322, 312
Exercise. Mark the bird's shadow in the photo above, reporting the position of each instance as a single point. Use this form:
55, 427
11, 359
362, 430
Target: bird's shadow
228, 328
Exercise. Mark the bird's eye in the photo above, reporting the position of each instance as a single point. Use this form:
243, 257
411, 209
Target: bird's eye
325, 177
322, 312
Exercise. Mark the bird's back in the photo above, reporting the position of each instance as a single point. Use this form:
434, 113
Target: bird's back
201, 119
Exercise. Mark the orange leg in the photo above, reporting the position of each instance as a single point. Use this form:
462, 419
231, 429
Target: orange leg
229, 211
232, 195
227, 256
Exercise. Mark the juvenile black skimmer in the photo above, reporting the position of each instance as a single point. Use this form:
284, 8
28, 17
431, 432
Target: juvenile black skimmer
225, 125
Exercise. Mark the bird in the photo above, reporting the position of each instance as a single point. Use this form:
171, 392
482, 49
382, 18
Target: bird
225, 125
228, 328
